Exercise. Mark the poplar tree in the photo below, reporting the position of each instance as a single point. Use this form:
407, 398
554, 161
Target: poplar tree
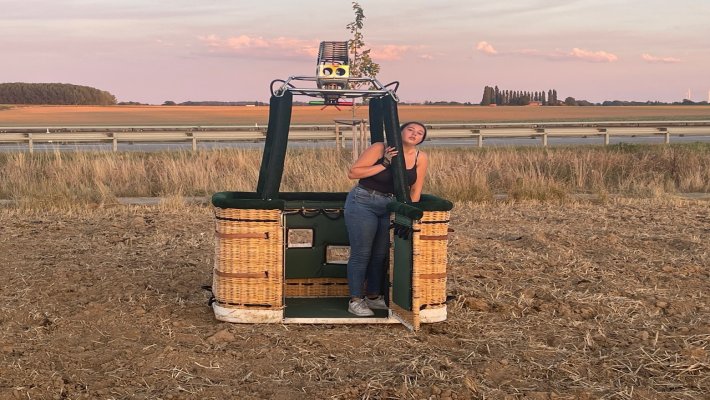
487, 98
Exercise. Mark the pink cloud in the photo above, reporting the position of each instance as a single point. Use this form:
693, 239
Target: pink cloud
486, 48
554, 55
258, 46
593, 56
242, 42
653, 59
389, 52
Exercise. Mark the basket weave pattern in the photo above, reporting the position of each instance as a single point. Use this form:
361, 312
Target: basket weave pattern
248, 269
317, 287
429, 246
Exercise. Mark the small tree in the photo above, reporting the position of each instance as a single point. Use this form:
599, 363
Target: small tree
361, 64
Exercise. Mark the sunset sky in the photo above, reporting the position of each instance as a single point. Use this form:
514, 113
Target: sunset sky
226, 50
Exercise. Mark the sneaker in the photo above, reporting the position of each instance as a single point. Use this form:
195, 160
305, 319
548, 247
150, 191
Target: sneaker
378, 303
359, 308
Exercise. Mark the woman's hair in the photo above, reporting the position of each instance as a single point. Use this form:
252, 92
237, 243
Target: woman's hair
406, 124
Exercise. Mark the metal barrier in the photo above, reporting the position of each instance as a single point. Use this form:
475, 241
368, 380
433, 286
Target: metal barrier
476, 132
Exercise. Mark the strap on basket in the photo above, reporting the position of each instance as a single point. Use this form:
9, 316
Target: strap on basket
254, 235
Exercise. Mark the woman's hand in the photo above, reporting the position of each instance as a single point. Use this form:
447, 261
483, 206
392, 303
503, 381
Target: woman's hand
387, 157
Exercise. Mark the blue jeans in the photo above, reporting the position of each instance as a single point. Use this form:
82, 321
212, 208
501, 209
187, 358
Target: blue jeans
368, 222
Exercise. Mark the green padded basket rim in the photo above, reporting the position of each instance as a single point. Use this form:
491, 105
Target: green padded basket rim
297, 200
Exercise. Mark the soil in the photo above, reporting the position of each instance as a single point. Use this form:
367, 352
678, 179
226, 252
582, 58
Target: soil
549, 301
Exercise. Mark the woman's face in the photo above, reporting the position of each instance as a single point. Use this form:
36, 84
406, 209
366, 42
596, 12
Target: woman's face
413, 134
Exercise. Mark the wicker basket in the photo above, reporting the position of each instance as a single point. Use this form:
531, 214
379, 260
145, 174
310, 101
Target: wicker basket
248, 270
248, 279
317, 287
430, 246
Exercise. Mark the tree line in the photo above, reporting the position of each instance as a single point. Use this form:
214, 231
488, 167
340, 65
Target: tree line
504, 97
53, 93
496, 96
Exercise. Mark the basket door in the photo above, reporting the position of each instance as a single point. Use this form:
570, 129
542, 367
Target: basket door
404, 302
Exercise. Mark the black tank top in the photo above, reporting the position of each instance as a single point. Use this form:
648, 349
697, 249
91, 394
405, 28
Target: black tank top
384, 181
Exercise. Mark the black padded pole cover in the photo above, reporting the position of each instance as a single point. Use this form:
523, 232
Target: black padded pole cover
266, 156
394, 139
377, 133
277, 153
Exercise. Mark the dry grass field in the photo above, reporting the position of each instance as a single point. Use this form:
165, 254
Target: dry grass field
205, 116
66, 179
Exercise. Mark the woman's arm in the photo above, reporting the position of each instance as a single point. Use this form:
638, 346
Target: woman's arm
415, 191
365, 165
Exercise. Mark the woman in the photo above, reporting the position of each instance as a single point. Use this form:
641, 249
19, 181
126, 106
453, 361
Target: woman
367, 218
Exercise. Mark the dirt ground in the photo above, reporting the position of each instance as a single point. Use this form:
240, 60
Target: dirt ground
552, 301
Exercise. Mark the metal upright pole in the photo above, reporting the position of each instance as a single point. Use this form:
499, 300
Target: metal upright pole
337, 136
363, 137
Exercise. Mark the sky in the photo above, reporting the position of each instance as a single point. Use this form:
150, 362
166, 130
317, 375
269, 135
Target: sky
153, 51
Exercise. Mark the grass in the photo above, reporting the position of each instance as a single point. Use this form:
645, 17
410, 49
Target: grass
458, 174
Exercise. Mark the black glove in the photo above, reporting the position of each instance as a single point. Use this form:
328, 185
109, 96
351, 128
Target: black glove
402, 231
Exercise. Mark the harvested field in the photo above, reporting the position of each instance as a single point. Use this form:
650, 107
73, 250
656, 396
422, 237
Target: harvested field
581, 301
217, 115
